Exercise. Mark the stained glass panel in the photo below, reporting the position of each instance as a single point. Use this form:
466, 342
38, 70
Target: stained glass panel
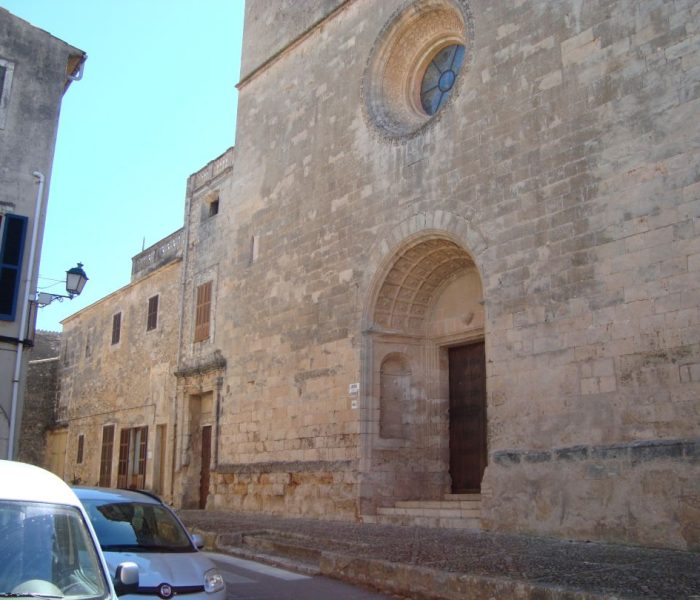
440, 76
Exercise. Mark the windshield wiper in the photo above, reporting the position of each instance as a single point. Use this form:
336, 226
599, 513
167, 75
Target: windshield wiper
120, 547
26, 595
144, 548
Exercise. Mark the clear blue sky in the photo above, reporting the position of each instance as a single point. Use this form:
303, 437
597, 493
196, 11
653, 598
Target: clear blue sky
156, 103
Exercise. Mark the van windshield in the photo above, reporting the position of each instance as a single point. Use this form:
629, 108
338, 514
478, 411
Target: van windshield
47, 552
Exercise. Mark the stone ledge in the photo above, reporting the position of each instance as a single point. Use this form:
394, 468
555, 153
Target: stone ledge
633, 452
285, 467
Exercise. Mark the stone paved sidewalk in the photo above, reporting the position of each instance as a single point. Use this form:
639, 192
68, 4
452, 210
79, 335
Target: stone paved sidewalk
425, 563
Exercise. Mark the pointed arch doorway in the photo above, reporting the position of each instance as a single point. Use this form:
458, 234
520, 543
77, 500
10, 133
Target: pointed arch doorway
424, 370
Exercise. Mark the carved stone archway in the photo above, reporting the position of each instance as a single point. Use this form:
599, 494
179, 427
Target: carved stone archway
426, 298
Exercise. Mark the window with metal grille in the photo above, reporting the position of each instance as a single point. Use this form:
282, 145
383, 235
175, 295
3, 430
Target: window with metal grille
106, 455
203, 312
13, 230
116, 328
81, 447
152, 313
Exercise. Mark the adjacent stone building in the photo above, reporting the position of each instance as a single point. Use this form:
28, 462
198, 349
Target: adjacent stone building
36, 69
449, 273
116, 379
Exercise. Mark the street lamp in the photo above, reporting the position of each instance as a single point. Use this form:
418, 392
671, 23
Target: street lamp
75, 282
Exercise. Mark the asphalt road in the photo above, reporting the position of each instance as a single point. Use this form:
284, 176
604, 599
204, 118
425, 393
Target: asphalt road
248, 580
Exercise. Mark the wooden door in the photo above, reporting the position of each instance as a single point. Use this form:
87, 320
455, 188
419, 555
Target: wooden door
131, 472
467, 366
205, 468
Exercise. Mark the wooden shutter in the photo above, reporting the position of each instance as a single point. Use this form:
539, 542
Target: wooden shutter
81, 446
12, 237
203, 312
152, 313
141, 465
106, 456
123, 469
116, 328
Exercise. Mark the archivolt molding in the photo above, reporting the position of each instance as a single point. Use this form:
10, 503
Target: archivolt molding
413, 231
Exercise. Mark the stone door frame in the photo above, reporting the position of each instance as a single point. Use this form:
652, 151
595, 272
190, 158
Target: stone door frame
432, 353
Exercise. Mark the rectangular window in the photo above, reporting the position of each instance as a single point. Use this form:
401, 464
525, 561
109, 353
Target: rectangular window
152, 313
116, 328
253, 249
12, 238
203, 312
214, 207
106, 455
132, 458
81, 447
6, 70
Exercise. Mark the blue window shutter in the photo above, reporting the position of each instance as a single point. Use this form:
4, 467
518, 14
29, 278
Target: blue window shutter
11, 253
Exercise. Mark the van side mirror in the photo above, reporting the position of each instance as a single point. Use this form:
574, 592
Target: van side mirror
126, 578
198, 541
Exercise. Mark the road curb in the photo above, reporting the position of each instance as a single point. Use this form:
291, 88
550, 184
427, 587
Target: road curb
412, 581
421, 583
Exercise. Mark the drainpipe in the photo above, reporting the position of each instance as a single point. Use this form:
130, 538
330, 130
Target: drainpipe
26, 299
180, 389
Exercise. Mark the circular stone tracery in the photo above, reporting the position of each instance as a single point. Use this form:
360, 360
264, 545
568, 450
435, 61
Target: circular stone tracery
415, 65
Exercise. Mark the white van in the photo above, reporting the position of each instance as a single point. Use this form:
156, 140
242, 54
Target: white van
48, 548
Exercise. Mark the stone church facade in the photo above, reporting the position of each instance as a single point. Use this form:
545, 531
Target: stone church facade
453, 260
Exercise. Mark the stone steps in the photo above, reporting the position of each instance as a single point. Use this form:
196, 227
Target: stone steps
454, 511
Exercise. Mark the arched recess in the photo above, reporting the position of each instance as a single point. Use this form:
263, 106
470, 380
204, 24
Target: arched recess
425, 307
395, 397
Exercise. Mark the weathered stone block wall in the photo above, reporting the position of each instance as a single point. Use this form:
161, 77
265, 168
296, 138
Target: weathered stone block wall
323, 489
568, 152
39, 398
584, 487
277, 407
271, 27
128, 384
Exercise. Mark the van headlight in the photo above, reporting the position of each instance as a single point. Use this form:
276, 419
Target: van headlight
213, 581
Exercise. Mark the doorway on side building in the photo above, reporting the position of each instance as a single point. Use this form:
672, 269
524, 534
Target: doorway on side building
200, 449
205, 469
467, 382
133, 444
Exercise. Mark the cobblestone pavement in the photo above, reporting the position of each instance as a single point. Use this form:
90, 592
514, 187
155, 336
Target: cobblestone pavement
444, 564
